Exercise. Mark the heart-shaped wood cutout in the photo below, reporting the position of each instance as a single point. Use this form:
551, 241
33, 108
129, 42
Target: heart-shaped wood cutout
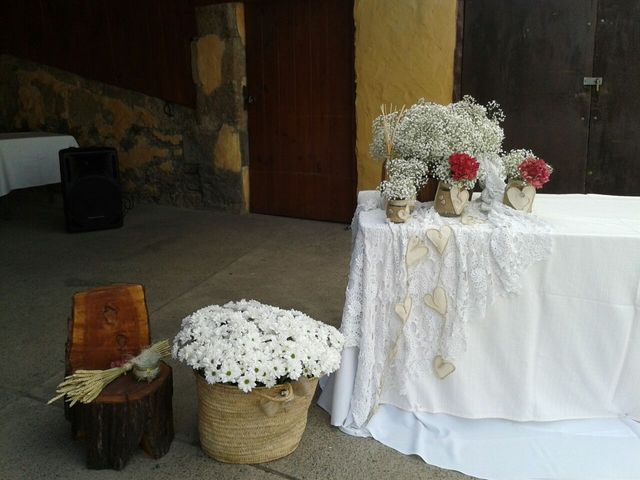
415, 251
440, 238
521, 199
437, 300
470, 220
459, 199
405, 213
404, 309
443, 369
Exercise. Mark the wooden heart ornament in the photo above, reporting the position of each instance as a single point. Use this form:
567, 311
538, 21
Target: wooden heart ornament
404, 309
521, 199
470, 220
437, 300
459, 198
404, 213
415, 251
443, 368
440, 238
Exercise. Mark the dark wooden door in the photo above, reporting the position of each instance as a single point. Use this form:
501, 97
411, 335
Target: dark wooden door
532, 57
301, 102
614, 137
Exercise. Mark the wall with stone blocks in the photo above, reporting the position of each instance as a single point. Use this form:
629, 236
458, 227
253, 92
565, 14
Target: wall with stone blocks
168, 154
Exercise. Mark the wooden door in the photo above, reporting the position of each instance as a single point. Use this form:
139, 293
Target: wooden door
301, 107
614, 144
531, 57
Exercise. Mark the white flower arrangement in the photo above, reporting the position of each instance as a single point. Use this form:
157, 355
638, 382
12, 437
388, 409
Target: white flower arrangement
250, 344
398, 187
411, 168
430, 133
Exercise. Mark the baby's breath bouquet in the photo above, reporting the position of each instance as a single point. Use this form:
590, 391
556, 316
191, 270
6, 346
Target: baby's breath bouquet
398, 187
409, 168
250, 345
431, 133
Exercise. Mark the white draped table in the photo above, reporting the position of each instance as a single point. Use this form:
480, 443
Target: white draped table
566, 347
30, 159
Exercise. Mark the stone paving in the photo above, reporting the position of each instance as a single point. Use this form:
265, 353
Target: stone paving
186, 259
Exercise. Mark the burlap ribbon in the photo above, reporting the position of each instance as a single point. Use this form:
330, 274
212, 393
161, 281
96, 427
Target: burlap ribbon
271, 405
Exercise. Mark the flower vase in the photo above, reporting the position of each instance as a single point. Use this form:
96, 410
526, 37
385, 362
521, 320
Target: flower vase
450, 201
428, 191
399, 211
519, 196
255, 427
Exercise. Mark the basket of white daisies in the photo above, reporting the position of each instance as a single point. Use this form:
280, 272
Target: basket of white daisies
256, 369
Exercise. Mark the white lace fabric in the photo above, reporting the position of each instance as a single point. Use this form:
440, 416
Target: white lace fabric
482, 260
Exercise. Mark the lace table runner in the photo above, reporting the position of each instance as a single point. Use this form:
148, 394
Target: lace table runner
413, 287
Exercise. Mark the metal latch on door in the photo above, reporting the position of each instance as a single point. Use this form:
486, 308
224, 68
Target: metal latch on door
591, 81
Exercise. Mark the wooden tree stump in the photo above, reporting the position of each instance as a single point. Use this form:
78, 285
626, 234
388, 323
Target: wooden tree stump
106, 325
126, 414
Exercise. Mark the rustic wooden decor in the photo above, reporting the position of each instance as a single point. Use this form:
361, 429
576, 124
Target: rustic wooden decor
127, 414
107, 324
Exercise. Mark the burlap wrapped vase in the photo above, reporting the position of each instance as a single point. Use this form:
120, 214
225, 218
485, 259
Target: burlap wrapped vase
450, 201
399, 211
519, 195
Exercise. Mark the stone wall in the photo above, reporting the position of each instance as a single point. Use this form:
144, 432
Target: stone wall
168, 153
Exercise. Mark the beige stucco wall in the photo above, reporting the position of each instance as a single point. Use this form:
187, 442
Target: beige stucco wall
404, 51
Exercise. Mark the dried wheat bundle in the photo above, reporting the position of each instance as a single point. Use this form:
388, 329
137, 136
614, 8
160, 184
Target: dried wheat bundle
85, 385
391, 117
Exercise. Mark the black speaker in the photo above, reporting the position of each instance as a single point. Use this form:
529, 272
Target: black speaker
91, 188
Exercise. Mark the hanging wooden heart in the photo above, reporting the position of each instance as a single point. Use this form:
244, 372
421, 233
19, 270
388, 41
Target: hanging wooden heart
521, 199
404, 309
415, 251
443, 368
437, 300
440, 238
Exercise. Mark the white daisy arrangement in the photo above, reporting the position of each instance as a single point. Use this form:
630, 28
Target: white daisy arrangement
249, 344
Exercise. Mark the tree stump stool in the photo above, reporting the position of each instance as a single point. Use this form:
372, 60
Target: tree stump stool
107, 324
126, 414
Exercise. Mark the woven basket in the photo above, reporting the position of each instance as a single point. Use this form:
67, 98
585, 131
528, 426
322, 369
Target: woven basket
262, 425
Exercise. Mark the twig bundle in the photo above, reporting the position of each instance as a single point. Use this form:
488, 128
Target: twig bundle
85, 385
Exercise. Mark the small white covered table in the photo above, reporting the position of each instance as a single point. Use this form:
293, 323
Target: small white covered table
30, 159
565, 347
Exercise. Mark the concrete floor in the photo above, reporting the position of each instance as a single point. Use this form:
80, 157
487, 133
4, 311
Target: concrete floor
185, 259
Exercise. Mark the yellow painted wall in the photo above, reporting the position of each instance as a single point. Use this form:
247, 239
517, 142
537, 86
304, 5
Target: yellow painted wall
404, 51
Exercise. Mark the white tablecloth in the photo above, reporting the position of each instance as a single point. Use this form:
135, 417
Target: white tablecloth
30, 159
566, 347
